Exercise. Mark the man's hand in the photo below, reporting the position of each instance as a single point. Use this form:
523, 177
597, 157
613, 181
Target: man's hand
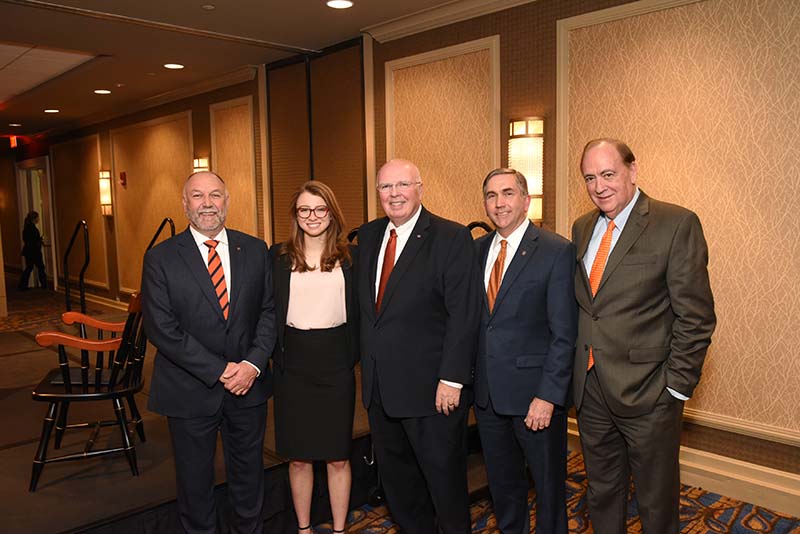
238, 377
447, 398
539, 414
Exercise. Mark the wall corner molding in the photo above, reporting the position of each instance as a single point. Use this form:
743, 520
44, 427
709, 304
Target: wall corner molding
437, 17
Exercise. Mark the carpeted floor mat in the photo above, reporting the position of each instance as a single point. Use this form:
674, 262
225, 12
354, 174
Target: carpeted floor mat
702, 512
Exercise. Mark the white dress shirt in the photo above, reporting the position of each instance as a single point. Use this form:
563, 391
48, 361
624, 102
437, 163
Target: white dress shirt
513, 240
403, 234
223, 251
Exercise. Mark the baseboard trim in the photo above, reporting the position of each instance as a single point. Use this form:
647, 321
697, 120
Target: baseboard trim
771, 488
739, 426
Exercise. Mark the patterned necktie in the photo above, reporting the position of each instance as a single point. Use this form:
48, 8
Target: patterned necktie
497, 275
598, 266
217, 276
388, 265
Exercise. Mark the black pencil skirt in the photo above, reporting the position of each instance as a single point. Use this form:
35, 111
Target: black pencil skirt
315, 396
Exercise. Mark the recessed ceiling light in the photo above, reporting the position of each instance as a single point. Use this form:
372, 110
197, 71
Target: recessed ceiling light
52, 110
173, 66
14, 124
102, 92
209, 7
340, 4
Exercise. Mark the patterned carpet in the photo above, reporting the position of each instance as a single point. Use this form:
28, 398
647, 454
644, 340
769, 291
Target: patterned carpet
701, 513
37, 309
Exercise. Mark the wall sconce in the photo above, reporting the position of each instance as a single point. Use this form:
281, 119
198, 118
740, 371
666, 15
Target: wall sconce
200, 164
526, 154
105, 193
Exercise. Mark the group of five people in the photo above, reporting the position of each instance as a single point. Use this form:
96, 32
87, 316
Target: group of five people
521, 322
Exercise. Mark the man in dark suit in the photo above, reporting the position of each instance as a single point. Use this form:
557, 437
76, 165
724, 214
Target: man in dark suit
208, 309
645, 319
525, 351
419, 314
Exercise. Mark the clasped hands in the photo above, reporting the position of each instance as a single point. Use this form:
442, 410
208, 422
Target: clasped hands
238, 378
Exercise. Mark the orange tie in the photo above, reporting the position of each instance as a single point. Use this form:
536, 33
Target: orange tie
388, 265
598, 265
217, 275
497, 275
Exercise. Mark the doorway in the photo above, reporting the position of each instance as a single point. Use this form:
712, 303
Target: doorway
34, 194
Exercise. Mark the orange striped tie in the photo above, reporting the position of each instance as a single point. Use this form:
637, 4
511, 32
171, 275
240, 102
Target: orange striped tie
496, 277
598, 265
217, 275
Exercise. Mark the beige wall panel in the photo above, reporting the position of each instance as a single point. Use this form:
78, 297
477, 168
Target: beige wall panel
706, 94
337, 111
442, 121
232, 158
75, 168
156, 157
289, 147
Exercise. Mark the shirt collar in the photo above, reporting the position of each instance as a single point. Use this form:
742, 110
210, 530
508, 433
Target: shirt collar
200, 239
514, 238
622, 217
407, 226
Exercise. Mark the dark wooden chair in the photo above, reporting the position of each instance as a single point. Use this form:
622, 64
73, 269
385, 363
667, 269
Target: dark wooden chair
115, 377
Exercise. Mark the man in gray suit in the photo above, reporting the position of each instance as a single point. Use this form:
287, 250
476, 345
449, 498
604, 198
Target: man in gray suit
645, 319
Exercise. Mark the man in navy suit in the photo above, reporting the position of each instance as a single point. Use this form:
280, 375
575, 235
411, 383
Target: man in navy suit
419, 316
525, 352
208, 309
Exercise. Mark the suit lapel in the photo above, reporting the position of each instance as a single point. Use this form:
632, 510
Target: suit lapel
194, 261
584, 236
410, 250
637, 222
525, 251
377, 238
238, 258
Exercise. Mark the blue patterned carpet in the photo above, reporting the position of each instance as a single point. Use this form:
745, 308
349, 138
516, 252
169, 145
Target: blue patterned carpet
701, 513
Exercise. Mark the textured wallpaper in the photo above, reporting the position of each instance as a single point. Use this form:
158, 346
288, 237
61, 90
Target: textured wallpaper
157, 158
443, 123
232, 158
75, 169
707, 97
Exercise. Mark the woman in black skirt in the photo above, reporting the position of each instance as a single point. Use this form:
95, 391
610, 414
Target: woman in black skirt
316, 308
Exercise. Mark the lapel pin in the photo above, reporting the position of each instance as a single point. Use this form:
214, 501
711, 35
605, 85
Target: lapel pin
419, 236
238, 248
524, 252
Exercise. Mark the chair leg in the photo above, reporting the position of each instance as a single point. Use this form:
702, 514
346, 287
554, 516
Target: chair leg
122, 419
41, 453
61, 424
136, 417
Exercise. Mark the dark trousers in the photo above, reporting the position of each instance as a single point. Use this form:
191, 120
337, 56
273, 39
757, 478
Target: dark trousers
31, 261
507, 445
615, 447
194, 442
423, 468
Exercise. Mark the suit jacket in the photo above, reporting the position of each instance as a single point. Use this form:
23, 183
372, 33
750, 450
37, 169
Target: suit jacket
526, 344
183, 319
426, 328
281, 276
651, 321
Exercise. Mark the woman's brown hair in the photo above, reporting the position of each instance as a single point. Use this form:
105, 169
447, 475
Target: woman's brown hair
336, 249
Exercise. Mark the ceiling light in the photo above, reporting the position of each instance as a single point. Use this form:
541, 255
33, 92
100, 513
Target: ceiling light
102, 92
52, 110
173, 66
14, 124
209, 7
340, 4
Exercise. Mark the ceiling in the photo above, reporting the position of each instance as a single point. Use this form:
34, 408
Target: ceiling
127, 42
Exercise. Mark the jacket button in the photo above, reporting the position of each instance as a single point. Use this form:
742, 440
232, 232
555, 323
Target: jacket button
489, 328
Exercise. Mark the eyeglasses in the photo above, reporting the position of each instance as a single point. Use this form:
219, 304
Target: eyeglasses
399, 186
304, 212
